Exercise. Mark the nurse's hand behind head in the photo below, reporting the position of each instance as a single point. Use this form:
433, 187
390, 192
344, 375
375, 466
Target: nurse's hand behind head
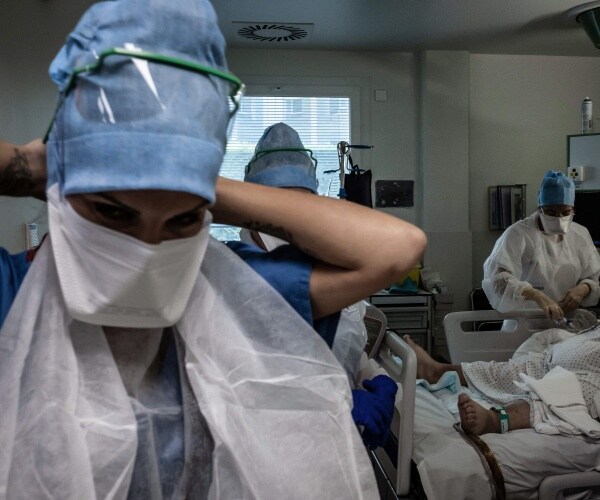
151, 216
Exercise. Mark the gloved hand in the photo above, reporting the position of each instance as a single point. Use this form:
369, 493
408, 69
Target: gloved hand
374, 409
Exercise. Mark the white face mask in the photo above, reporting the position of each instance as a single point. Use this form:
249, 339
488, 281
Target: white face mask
556, 225
112, 279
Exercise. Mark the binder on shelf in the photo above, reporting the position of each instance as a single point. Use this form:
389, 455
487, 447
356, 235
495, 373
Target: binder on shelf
494, 208
506, 205
516, 200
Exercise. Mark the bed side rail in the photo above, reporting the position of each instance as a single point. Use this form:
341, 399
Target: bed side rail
467, 345
552, 487
402, 425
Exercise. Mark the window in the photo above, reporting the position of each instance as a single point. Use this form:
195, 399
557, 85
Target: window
294, 105
320, 130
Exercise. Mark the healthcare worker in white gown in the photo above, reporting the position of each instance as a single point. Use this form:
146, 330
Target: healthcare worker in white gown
140, 358
545, 261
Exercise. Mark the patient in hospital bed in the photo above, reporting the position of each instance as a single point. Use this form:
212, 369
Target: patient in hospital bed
551, 384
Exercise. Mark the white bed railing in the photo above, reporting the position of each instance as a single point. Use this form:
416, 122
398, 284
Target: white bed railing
466, 344
402, 425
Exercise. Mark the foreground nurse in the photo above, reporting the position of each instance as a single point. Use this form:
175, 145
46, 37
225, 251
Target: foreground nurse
140, 359
545, 261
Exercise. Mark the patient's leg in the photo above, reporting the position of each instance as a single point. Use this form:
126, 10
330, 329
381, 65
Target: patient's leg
430, 369
475, 419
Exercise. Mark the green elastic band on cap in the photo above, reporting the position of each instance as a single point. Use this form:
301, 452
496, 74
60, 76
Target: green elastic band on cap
504, 418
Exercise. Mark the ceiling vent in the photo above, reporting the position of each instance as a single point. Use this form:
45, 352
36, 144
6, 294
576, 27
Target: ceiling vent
274, 32
588, 16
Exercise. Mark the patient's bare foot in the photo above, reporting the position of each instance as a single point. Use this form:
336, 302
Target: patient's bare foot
475, 419
427, 367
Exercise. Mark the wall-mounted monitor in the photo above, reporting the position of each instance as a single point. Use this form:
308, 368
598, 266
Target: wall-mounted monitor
587, 213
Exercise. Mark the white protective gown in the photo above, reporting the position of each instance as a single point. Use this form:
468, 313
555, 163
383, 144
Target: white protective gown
351, 334
275, 400
525, 256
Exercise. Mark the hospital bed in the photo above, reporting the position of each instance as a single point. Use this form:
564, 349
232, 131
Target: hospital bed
445, 465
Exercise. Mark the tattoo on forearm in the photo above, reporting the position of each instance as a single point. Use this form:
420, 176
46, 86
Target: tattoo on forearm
279, 232
16, 178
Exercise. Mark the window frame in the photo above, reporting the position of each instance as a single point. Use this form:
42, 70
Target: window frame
258, 87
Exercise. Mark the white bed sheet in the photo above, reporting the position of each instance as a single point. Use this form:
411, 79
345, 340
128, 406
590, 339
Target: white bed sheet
450, 468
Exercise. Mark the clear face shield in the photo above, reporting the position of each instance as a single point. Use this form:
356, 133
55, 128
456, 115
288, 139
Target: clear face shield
264, 152
147, 87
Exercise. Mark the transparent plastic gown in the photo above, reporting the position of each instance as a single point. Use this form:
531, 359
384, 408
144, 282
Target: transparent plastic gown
276, 401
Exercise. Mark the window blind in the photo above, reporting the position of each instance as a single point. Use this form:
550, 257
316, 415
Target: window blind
321, 122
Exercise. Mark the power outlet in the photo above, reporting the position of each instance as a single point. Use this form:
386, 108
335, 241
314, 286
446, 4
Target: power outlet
577, 174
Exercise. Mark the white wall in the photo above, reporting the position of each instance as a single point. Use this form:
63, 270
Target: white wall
444, 142
454, 122
27, 45
26, 108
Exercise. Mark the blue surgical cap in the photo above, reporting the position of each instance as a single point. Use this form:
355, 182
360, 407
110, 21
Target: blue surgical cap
286, 169
556, 189
137, 125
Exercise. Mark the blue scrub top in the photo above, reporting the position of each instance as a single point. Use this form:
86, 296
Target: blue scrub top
12, 273
287, 269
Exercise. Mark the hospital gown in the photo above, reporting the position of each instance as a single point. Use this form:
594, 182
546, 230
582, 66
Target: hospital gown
524, 256
579, 354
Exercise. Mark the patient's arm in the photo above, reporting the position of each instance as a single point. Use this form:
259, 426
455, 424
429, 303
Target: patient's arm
23, 169
358, 250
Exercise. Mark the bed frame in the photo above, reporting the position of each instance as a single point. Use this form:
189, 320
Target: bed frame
465, 343
392, 463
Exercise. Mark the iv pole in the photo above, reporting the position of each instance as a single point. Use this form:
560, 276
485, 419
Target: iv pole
343, 149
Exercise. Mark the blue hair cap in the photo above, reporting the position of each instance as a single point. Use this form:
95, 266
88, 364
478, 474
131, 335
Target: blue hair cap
556, 189
132, 124
285, 169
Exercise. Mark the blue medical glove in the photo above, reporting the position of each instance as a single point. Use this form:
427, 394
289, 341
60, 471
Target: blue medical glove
385, 389
382, 385
374, 409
